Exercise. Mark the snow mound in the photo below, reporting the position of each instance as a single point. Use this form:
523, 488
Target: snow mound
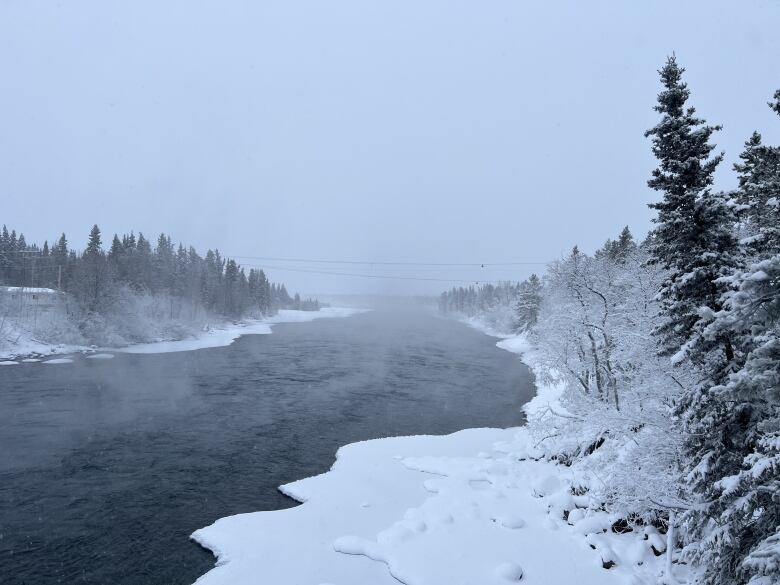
509, 572
59, 361
546, 485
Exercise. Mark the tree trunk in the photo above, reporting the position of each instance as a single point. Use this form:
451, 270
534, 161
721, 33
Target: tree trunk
670, 549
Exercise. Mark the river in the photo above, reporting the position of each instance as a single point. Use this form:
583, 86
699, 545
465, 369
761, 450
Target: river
107, 466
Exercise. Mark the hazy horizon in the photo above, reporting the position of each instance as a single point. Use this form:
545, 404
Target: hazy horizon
438, 133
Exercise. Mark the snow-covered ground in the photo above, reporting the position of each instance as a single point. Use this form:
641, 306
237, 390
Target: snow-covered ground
477, 507
25, 346
217, 336
18, 341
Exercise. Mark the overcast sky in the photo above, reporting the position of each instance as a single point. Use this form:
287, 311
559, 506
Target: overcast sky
443, 132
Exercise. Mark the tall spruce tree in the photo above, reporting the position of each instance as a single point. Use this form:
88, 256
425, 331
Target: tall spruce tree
95, 243
529, 301
742, 542
93, 278
759, 194
693, 239
60, 262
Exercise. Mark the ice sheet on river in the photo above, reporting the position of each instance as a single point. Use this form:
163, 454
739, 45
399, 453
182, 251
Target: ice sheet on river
227, 334
469, 508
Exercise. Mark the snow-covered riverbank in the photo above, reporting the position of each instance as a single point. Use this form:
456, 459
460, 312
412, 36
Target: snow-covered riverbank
225, 334
219, 335
476, 507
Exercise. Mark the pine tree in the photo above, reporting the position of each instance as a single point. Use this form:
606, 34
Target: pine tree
94, 244
5, 255
163, 264
746, 170
194, 276
21, 260
693, 239
93, 279
742, 463
624, 245
61, 249
618, 250
180, 270
231, 297
759, 194
143, 264
743, 430
775, 105
117, 249
60, 262
529, 301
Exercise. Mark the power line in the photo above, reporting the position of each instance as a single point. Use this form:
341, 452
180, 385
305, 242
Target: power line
386, 276
39, 251
52, 269
367, 263
324, 261
386, 263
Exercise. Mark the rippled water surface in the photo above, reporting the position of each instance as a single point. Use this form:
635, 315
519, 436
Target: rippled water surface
107, 466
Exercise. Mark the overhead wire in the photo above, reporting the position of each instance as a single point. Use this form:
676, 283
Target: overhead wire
383, 276
367, 264
384, 262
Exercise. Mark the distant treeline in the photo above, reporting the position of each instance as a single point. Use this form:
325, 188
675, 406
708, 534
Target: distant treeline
96, 278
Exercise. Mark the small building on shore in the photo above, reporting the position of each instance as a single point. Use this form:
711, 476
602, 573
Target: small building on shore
19, 300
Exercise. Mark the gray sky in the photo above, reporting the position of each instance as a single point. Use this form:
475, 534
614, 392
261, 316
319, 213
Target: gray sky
449, 132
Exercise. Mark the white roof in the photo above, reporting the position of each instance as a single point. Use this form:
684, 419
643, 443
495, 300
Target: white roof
28, 289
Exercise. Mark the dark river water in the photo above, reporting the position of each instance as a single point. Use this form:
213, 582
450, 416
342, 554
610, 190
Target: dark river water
107, 466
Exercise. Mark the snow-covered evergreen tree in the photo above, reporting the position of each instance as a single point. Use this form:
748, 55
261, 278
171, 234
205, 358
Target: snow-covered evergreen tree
695, 242
759, 194
693, 239
92, 282
741, 510
739, 518
528, 303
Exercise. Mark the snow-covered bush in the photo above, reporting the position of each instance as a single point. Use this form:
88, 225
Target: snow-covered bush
142, 316
614, 420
